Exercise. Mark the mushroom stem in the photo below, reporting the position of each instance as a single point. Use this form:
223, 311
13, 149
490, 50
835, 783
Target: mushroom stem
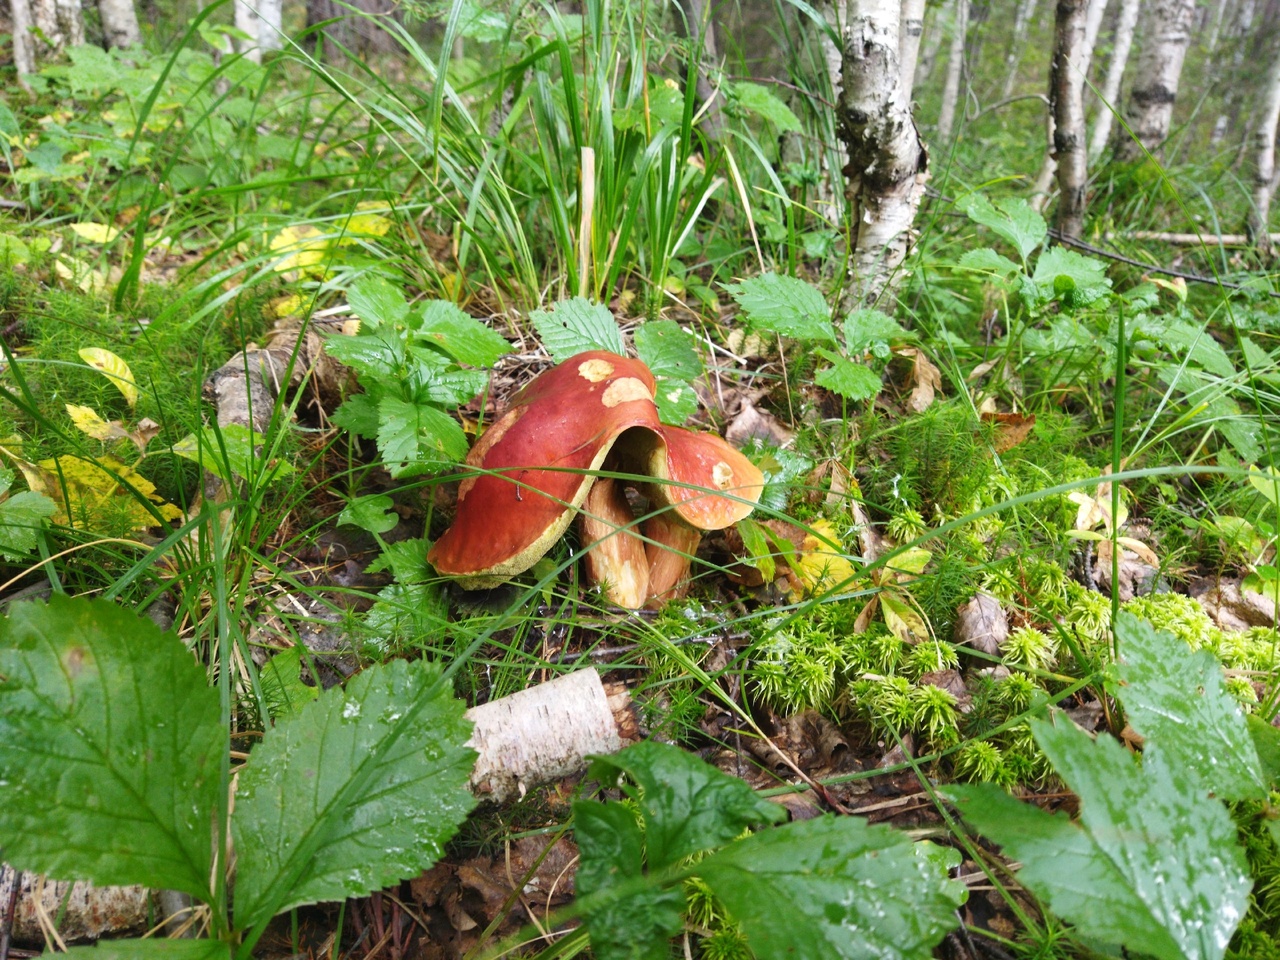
615, 554
669, 547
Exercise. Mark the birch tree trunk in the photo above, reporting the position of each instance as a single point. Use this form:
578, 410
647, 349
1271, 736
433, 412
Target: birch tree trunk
888, 165
910, 31
1092, 27
24, 55
1021, 23
1066, 92
1125, 25
270, 25
60, 23
693, 22
119, 23
1166, 36
1264, 158
955, 71
931, 46
1237, 36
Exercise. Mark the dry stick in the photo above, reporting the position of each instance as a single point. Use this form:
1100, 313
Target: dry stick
1186, 239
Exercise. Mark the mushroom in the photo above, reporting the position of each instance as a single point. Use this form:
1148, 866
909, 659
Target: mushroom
537, 467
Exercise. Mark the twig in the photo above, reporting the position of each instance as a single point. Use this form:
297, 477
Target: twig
1187, 239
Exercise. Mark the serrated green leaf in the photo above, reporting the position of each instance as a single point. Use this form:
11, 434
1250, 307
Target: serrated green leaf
853, 381
376, 302
406, 559
361, 789
667, 350
1266, 740
358, 415
1185, 339
414, 437
464, 338
761, 101
784, 305
1152, 865
574, 326
231, 451
152, 950
407, 611
282, 686
452, 388
378, 353
987, 260
1011, 218
636, 926
22, 517
1077, 279
866, 329
687, 805
371, 513
1176, 697
110, 748
677, 401
833, 887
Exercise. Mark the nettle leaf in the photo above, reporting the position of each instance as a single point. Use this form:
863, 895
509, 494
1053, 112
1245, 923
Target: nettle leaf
377, 302
359, 415
231, 451
687, 806
376, 352
452, 387
872, 330
987, 260
853, 381
833, 887
372, 513
414, 437
111, 747
462, 337
1152, 865
1077, 279
152, 950
406, 559
640, 920
22, 517
1011, 218
577, 325
784, 305
761, 101
1176, 698
359, 790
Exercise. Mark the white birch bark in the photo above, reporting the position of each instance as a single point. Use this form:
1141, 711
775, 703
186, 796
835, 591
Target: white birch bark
932, 44
1166, 35
1125, 25
1092, 27
246, 21
1066, 91
61, 23
24, 55
119, 23
1022, 20
271, 25
1264, 158
955, 71
888, 165
910, 31
1240, 25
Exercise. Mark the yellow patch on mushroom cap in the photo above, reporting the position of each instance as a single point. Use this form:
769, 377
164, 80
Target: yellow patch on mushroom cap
624, 390
595, 370
722, 474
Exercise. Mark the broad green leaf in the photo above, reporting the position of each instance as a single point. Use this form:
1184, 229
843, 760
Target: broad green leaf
784, 305
761, 101
687, 805
12, 250
1267, 483
464, 338
1011, 218
853, 381
575, 326
1187, 340
872, 330
372, 513
639, 922
380, 352
1175, 697
361, 789
282, 686
152, 950
987, 260
452, 388
1152, 865
677, 401
1077, 279
110, 748
414, 437
99, 233
759, 552
667, 350
114, 369
359, 415
22, 517
231, 451
833, 887
405, 611
406, 559
1266, 740
376, 302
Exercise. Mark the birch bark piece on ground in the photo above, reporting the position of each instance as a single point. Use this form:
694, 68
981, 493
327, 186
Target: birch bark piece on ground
1167, 34
91, 911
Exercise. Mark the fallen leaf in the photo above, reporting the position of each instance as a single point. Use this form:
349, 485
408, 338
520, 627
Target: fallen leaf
114, 369
87, 421
982, 624
925, 380
95, 232
751, 423
1011, 429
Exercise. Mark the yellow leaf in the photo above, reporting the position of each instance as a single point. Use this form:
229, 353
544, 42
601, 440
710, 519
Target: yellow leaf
114, 369
286, 306
87, 421
305, 245
95, 232
89, 496
369, 224
903, 622
821, 563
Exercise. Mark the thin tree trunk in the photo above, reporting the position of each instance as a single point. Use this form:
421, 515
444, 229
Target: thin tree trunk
270, 25
1238, 37
1021, 24
246, 20
931, 46
1092, 27
955, 71
888, 165
60, 24
24, 55
1264, 164
119, 23
1066, 91
910, 31
1155, 89
1125, 25
1220, 15
693, 22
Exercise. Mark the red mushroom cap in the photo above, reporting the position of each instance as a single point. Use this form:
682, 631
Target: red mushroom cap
700, 463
